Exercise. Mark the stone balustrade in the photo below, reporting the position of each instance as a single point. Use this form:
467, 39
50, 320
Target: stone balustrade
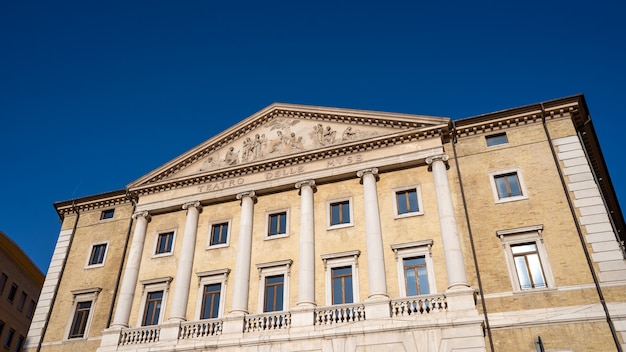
344, 313
202, 328
267, 321
418, 305
141, 335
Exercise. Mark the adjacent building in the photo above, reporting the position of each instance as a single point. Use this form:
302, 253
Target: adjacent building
20, 285
306, 228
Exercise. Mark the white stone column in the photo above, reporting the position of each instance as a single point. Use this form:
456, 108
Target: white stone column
241, 280
455, 266
185, 263
129, 282
373, 236
306, 263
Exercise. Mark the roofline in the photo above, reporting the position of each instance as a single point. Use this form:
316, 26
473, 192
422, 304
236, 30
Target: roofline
19, 256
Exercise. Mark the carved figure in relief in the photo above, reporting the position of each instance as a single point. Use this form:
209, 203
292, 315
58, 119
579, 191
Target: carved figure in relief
246, 155
208, 164
329, 135
232, 156
257, 146
318, 131
348, 135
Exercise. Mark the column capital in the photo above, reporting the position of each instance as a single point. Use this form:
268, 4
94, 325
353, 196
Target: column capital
440, 157
195, 204
251, 194
372, 170
310, 183
141, 214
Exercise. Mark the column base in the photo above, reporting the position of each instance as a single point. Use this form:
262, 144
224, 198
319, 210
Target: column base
461, 299
377, 308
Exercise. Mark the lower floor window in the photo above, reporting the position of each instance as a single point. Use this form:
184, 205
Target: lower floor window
79, 324
274, 293
528, 266
153, 308
416, 276
211, 301
342, 285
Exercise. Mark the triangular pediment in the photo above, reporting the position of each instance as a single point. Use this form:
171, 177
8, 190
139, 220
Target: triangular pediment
282, 130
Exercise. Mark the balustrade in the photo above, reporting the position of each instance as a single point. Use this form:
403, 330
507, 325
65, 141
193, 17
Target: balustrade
203, 328
139, 335
267, 321
418, 305
345, 313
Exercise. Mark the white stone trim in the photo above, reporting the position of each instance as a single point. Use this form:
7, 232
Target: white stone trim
420, 206
153, 285
267, 224
494, 188
329, 213
80, 296
228, 234
335, 260
525, 235
212, 277
156, 243
281, 267
106, 251
410, 250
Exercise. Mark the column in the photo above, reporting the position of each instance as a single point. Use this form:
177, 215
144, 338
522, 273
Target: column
129, 282
449, 231
306, 264
373, 235
185, 263
244, 250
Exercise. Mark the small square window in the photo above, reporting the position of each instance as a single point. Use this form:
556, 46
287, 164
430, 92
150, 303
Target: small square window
496, 139
107, 214
97, 255
508, 185
165, 243
12, 293
218, 237
407, 202
277, 224
340, 213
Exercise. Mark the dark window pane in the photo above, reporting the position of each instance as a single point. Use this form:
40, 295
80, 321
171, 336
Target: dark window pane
164, 244
274, 288
107, 214
211, 301
97, 254
153, 308
79, 324
342, 285
496, 139
219, 233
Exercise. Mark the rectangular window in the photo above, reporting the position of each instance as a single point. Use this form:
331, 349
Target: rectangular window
107, 214
341, 279
12, 293
31, 309
277, 224
22, 301
79, 323
416, 276
97, 254
1, 327
528, 266
9, 338
3, 282
164, 243
18, 345
406, 201
219, 234
508, 185
274, 293
496, 139
340, 213
211, 301
153, 308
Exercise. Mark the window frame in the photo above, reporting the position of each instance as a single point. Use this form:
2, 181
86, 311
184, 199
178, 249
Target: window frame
4, 278
276, 268
493, 137
155, 254
228, 234
22, 301
81, 296
268, 216
88, 264
496, 174
523, 235
338, 260
12, 292
418, 194
104, 214
209, 278
9, 338
30, 312
150, 286
329, 204
409, 250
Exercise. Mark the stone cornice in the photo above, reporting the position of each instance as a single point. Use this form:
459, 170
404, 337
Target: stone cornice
314, 113
99, 201
294, 159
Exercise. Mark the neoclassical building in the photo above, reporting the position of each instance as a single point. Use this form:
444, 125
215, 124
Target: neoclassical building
306, 228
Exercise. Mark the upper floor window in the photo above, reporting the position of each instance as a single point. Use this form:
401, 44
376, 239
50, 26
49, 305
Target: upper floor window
22, 301
211, 293
274, 285
496, 139
407, 202
340, 213
526, 258
31, 308
9, 338
3, 282
219, 235
277, 224
342, 284
107, 214
507, 185
415, 268
165, 243
19, 344
84, 304
12, 293
97, 254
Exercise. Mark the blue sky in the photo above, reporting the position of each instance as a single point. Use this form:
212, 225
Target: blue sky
93, 95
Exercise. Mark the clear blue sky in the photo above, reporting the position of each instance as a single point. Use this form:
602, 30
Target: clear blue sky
95, 94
